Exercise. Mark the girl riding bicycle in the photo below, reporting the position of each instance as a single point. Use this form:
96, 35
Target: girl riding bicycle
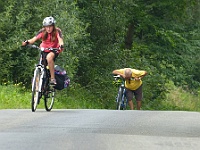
51, 37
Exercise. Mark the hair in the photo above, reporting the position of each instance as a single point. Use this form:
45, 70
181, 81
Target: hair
127, 72
45, 34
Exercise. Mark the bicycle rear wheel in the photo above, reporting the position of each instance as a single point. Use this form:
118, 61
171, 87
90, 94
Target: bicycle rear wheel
49, 97
119, 103
36, 95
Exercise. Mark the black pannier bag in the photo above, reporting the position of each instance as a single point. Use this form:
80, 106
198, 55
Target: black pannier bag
62, 79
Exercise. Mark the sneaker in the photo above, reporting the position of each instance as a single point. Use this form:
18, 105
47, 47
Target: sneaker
53, 82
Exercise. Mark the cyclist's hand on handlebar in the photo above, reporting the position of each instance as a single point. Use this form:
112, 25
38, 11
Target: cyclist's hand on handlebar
123, 76
58, 51
61, 48
24, 43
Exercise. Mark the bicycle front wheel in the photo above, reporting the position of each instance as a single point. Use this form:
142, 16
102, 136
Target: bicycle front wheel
119, 104
49, 97
125, 102
35, 90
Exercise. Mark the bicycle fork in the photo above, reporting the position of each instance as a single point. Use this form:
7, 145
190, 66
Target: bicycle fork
124, 102
41, 72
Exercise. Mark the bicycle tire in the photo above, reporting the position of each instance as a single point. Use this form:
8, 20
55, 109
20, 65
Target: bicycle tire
124, 101
119, 105
49, 97
35, 90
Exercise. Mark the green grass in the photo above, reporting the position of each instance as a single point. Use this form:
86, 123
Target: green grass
75, 97
14, 96
18, 97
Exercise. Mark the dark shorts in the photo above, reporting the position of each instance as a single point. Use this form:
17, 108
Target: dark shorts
137, 93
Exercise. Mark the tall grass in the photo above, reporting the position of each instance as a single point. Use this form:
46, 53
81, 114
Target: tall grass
180, 99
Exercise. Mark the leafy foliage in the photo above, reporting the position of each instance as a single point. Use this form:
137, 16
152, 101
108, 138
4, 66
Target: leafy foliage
161, 37
24, 22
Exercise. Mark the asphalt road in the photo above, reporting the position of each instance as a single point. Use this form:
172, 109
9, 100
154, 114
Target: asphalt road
83, 129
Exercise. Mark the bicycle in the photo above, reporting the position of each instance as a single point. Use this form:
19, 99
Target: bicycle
121, 100
40, 83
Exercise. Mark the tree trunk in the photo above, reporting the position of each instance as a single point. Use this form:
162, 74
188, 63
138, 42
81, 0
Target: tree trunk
129, 37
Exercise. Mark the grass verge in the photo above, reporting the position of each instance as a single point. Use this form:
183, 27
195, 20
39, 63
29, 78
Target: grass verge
75, 97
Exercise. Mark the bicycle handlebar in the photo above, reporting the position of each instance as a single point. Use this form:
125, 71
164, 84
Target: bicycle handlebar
116, 77
43, 49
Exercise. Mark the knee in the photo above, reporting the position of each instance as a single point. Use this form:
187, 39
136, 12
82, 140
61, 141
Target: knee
50, 58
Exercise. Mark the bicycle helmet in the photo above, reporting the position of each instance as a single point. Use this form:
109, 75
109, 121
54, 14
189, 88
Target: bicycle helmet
48, 21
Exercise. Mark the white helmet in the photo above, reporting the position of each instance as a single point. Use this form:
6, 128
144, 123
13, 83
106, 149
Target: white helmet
49, 21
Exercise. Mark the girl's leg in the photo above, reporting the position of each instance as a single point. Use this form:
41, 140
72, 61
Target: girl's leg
50, 60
